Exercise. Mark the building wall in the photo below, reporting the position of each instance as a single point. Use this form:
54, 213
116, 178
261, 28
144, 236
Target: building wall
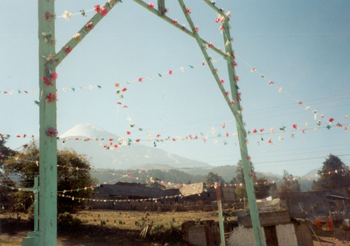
242, 236
286, 235
267, 219
303, 233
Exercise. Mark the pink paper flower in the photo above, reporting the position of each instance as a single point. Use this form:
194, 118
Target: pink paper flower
51, 132
188, 10
197, 29
151, 5
68, 49
53, 76
233, 102
89, 26
104, 11
303, 131
235, 64
97, 8
237, 78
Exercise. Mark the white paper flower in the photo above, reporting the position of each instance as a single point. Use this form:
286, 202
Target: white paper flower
182, 69
129, 118
280, 90
67, 15
90, 87
213, 130
308, 107
307, 124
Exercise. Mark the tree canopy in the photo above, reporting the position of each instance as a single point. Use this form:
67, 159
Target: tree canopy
289, 183
333, 174
211, 178
72, 173
240, 173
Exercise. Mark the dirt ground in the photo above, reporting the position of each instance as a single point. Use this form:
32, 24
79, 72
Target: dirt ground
124, 228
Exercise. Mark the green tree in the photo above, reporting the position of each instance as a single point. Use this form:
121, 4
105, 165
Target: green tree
72, 174
334, 174
261, 189
211, 178
240, 173
5, 152
289, 183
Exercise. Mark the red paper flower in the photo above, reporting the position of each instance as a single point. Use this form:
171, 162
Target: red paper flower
53, 76
295, 126
346, 128
227, 93
261, 130
188, 10
271, 83
175, 21
204, 140
46, 81
203, 63
221, 28
137, 140
140, 79
51, 132
300, 103
183, 26
233, 102
224, 125
227, 134
124, 89
170, 72
251, 175
128, 133
151, 5
303, 131
211, 45
104, 11
237, 78
255, 131
197, 29
235, 64
116, 146
47, 16
330, 120
217, 20
52, 97
222, 81
97, 8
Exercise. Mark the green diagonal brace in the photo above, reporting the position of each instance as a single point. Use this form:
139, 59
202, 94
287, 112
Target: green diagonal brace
61, 54
217, 10
234, 108
254, 213
167, 19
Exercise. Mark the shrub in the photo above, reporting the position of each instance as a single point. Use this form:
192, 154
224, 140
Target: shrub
66, 221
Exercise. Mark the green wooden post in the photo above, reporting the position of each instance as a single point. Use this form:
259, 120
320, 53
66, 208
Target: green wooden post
221, 220
48, 145
254, 213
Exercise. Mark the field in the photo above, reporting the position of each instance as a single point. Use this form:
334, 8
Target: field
106, 228
119, 227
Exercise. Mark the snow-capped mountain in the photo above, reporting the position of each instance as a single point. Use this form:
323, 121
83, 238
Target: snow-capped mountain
92, 140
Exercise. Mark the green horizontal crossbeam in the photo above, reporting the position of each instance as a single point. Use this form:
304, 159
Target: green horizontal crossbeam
61, 54
233, 108
178, 26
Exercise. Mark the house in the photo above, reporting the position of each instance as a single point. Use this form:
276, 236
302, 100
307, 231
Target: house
277, 229
122, 194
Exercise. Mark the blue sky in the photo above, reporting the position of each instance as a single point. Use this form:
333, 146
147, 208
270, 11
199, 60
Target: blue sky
303, 46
